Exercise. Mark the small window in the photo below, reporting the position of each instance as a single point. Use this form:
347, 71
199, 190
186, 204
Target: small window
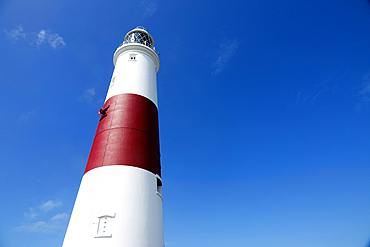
132, 57
159, 186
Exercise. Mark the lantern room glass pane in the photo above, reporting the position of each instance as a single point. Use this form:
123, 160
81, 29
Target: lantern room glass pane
140, 38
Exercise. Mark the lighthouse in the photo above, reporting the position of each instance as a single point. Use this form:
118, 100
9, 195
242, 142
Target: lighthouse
119, 202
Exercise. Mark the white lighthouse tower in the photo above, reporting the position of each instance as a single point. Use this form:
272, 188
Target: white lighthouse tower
119, 202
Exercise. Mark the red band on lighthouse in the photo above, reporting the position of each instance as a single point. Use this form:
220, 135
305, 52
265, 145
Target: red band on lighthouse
127, 135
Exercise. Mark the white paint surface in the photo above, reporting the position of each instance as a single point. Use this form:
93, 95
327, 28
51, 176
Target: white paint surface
135, 76
122, 198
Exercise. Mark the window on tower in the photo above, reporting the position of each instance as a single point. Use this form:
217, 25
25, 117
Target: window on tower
132, 57
159, 186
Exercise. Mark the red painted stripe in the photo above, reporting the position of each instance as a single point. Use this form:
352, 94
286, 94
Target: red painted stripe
127, 135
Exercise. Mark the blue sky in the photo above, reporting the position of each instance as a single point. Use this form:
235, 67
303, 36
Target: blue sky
264, 111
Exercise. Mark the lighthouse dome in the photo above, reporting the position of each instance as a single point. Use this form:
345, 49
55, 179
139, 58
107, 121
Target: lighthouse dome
139, 35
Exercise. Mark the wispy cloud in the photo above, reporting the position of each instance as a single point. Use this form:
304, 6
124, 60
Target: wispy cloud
43, 226
36, 39
52, 39
320, 91
31, 214
364, 93
41, 220
149, 9
40, 226
15, 34
50, 205
225, 51
26, 115
311, 96
61, 216
88, 95
300, 98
